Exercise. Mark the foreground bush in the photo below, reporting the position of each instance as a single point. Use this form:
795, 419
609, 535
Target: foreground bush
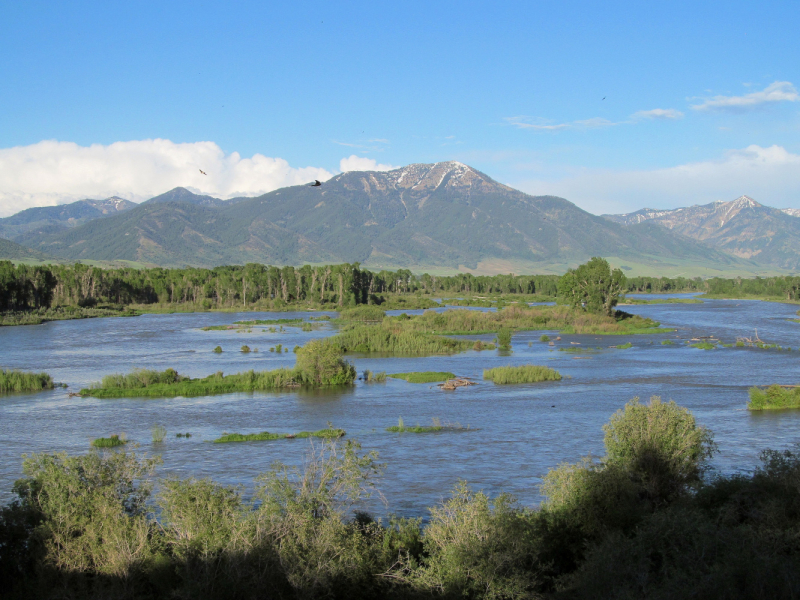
84, 527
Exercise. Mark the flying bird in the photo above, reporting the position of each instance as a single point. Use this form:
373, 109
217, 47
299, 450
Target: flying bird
203, 172
604, 97
315, 184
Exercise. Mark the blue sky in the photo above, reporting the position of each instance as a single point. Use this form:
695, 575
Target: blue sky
701, 101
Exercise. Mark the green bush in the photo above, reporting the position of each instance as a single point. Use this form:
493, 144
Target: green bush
774, 397
245, 349
544, 338
660, 445
320, 362
218, 349
364, 313
504, 338
109, 442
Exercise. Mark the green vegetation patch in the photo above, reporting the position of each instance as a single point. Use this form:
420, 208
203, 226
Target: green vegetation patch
423, 376
704, 345
624, 346
329, 433
774, 397
109, 442
632, 301
389, 337
521, 374
667, 343
21, 381
318, 364
270, 322
436, 427
363, 313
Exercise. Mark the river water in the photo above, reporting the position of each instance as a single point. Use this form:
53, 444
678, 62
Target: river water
522, 430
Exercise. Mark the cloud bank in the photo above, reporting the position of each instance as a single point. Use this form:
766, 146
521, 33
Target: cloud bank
361, 163
657, 113
771, 175
52, 172
780, 91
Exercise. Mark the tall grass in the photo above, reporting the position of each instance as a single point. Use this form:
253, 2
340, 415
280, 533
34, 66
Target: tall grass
159, 432
393, 339
362, 313
21, 381
774, 397
423, 376
521, 374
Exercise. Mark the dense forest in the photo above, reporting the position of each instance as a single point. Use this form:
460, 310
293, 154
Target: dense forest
24, 288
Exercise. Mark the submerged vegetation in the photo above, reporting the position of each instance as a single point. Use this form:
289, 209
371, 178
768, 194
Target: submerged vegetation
641, 522
21, 381
327, 433
521, 374
423, 376
437, 426
774, 397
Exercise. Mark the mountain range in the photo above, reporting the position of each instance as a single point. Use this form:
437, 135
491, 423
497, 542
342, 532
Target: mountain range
442, 216
742, 228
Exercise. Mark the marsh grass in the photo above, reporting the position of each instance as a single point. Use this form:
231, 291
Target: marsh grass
394, 339
245, 349
774, 397
371, 377
329, 433
269, 322
423, 376
363, 313
544, 338
624, 346
21, 381
318, 364
521, 374
401, 427
109, 442
576, 349
159, 432
667, 343
703, 345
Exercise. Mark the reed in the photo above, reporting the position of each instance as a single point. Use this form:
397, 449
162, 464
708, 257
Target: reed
269, 322
667, 343
22, 381
521, 374
391, 339
363, 313
159, 432
423, 376
624, 346
436, 427
774, 397
703, 345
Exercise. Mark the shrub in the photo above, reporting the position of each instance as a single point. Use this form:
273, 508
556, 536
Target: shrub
660, 445
504, 338
320, 362
774, 397
218, 349
109, 442
544, 338
364, 313
245, 349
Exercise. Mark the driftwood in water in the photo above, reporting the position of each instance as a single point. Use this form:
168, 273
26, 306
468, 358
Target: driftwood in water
458, 382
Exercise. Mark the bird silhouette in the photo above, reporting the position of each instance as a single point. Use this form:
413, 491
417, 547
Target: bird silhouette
315, 184
203, 172
604, 97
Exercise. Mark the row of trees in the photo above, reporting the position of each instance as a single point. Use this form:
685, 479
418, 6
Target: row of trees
593, 286
26, 287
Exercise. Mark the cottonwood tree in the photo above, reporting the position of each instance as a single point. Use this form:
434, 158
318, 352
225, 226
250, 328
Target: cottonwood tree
594, 287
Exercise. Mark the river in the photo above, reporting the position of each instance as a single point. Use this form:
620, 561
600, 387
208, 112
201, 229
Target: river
522, 430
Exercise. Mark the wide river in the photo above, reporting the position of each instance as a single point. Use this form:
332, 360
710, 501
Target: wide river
522, 430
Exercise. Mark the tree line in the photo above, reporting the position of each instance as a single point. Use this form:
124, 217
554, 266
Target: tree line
25, 287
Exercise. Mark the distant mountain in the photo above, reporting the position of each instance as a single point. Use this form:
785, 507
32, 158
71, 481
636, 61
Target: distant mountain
52, 219
742, 228
12, 251
180, 194
421, 216
795, 212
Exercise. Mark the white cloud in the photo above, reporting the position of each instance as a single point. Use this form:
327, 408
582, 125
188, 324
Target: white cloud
539, 124
361, 163
657, 113
771, 175
780, 91
52, 172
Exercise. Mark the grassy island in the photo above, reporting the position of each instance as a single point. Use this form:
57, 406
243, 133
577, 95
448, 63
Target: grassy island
774, 397
401, 427
521, 374
423, 376
21, 381
109, 442
328, 433
318, 364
